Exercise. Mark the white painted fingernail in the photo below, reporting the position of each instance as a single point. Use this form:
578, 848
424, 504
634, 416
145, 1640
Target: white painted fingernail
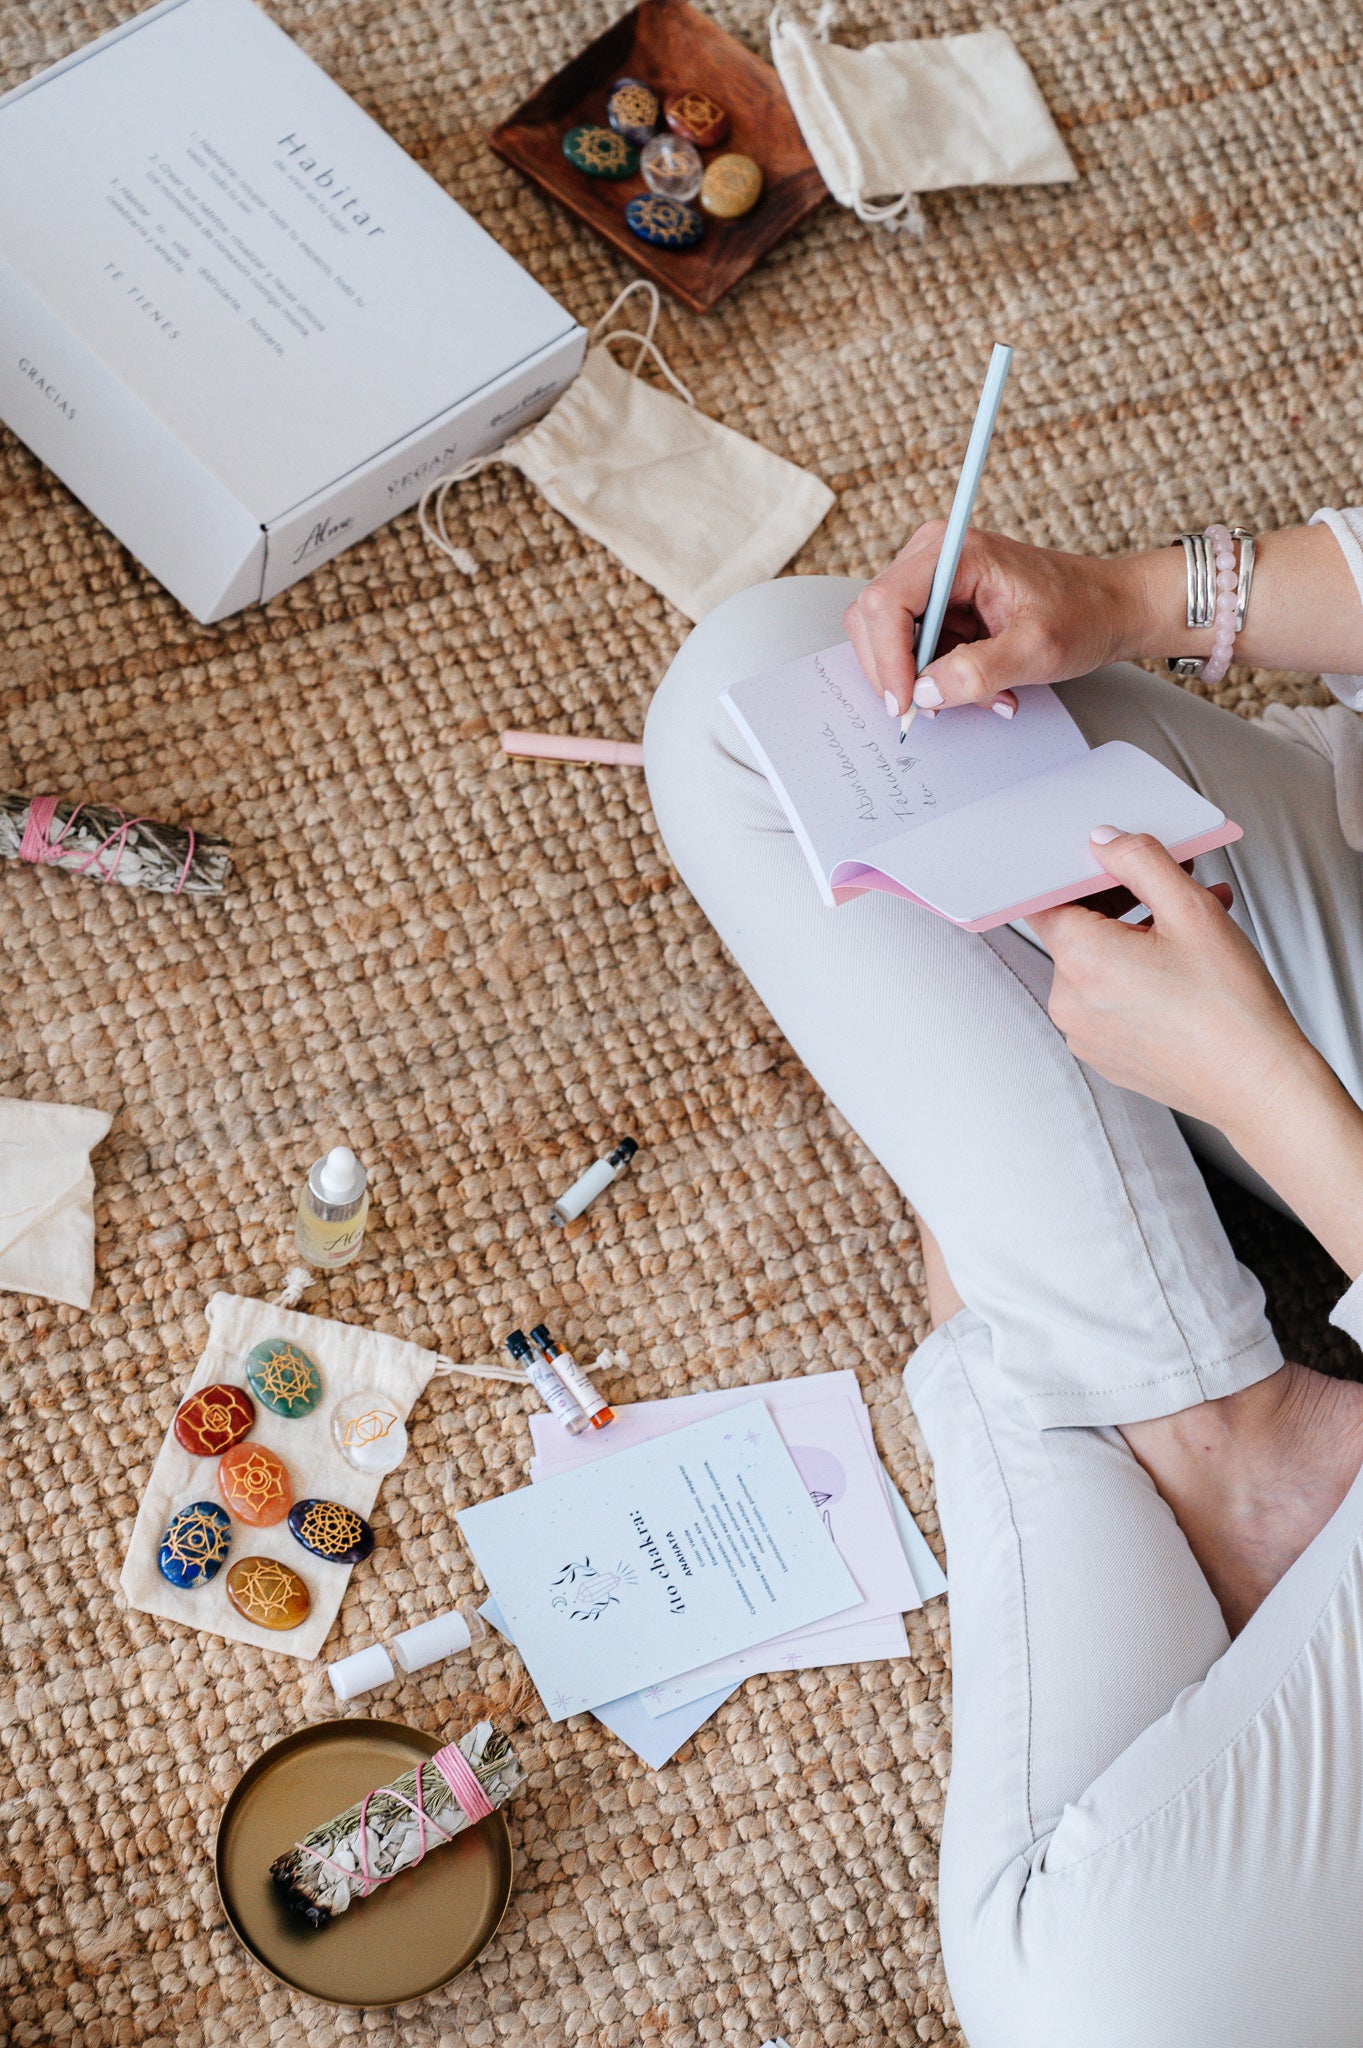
926, 693
1003, 709
1103, 835
890, 704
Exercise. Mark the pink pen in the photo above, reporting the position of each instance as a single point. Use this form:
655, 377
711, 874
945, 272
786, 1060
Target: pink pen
553, 746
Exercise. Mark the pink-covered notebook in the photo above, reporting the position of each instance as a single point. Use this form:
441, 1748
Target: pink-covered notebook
979, 818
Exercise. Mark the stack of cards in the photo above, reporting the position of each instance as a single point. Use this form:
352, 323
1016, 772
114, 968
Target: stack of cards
703, 1539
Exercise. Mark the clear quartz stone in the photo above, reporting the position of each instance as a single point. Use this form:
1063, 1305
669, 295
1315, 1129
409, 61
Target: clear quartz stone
671, 167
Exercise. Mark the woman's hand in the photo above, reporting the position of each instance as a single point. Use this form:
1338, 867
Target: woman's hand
1017, 615
1180, 1008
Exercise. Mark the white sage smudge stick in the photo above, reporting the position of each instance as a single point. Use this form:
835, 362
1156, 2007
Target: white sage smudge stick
102, 841
346, 1858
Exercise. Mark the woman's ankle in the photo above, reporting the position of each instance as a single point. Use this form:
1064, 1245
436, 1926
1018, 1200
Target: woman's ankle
1226, 1429
1253, 1478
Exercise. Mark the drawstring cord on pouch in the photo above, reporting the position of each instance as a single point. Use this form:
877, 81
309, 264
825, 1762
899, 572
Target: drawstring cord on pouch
901, 213
431, 511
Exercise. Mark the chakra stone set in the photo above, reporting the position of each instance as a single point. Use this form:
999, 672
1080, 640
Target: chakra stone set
255, 1486
669, 161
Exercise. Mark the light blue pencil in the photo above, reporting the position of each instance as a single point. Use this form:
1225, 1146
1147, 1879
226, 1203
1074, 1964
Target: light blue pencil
962, 505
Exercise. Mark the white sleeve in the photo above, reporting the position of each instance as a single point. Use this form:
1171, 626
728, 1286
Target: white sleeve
1347, 1314
1347, 528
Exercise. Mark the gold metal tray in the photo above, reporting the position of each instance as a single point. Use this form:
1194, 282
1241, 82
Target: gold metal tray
415, 1932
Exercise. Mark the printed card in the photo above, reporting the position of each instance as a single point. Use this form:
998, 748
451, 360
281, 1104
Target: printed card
658, 1560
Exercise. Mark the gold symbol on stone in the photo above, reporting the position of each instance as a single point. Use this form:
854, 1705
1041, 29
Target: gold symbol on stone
268, 1593
196, 1537
283, 1378
368, 1428
329, 1528
634, 106
257, 1480
599, 150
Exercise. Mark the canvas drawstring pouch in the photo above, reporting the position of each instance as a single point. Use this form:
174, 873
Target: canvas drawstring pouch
692, 507
47, 1222
896, 119
351, 1360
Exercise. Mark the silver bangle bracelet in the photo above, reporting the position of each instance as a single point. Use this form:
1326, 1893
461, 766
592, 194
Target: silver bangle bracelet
1246, 578
1200, 564
1197, 558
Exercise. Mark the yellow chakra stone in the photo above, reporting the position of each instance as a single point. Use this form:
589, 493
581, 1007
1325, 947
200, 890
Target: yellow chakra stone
268, 1593
732, 186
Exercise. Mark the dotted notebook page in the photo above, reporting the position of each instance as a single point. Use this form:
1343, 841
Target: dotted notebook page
850, 784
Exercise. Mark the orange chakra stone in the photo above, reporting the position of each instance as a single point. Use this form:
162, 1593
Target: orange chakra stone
696, 116
255, 1485
268, 1593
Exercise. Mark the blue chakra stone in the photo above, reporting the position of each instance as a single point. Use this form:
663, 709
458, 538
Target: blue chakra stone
633, 109
195, 1544
600, 152
664, 223
328, 1530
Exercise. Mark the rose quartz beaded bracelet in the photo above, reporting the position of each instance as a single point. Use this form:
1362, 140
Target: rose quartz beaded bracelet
1218, 595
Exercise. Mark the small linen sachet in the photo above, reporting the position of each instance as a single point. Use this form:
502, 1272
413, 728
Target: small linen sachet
898, 118
692, 507
47, 1221
351, 1360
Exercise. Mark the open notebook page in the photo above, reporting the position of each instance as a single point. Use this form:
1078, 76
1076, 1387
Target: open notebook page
849, 785
1027, 847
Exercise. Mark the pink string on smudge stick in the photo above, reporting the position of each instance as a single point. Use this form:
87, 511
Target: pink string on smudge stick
462, 1780
40, 846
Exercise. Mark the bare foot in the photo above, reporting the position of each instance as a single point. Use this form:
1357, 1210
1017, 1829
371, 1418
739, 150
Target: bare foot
1253, 1478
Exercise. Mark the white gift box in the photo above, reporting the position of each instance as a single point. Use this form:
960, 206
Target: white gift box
236, 318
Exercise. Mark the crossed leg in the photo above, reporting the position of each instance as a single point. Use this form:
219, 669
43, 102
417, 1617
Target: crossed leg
1150, 1829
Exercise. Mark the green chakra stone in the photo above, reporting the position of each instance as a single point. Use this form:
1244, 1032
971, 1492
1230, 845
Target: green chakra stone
600, 152
283, 1377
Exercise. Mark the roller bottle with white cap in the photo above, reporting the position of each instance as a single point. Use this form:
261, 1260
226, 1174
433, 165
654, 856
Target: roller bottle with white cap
333, 1210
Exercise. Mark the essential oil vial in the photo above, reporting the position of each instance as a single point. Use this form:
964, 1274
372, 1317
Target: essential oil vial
333, 1210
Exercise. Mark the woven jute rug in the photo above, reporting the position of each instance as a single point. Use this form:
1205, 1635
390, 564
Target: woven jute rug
476, 973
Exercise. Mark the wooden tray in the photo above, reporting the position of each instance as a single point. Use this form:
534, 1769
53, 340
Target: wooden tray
670, 45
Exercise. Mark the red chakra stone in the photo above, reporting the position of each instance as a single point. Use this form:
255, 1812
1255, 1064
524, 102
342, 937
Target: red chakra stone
214, 1419
255, 1485
696, 116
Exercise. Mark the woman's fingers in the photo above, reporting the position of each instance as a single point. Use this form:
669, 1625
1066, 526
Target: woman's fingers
978, 671
1078, 935
1018, 615
1180, 1008
1150, 872
882, 620
881, 632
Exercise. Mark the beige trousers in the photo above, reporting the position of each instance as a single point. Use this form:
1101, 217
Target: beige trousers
1152, 1834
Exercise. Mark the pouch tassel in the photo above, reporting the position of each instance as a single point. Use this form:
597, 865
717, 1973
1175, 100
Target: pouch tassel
480, 1370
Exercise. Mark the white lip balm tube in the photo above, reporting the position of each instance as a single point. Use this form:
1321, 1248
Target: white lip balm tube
585, 1190
444, 1635
350, 1676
